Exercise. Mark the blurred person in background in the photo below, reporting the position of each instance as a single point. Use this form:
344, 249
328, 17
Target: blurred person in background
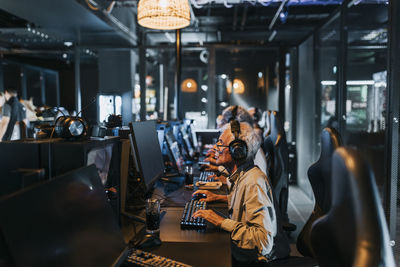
13, 121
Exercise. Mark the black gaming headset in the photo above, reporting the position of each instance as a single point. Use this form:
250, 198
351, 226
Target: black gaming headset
237, 148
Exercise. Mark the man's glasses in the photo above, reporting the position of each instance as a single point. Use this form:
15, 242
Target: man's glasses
219, 146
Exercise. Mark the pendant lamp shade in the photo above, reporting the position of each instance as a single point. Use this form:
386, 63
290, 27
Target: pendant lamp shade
163, 14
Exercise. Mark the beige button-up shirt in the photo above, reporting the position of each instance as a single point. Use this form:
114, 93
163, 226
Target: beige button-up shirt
253, 221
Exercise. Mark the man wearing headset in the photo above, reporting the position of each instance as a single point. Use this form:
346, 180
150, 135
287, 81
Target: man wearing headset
240, 114
252, 221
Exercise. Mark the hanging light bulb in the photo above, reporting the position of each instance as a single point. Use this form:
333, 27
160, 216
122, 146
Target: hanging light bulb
163, 14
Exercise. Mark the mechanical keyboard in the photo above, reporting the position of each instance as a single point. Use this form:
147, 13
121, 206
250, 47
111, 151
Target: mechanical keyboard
204, 175
187, 221
141, 258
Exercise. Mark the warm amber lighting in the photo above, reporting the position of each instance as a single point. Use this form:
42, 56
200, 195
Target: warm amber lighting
238, 86
163, 14
189, 86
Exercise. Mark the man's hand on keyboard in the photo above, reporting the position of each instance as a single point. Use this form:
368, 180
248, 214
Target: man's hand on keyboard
209, 215
212, 177
212, 160
210, 197
212, 152
217, 178
210, 168
220, 178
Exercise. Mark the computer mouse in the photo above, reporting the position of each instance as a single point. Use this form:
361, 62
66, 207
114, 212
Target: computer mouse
199, 196
149, 241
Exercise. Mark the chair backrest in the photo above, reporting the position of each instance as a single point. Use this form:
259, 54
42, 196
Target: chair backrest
281, 152
277, 154
319, 175
267, 144
354, 231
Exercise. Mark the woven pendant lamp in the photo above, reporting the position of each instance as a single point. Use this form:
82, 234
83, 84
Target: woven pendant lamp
163, 14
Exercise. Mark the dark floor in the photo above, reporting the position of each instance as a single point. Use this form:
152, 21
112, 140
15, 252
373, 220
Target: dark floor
298, 214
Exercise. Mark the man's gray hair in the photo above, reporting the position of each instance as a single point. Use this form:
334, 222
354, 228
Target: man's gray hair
249, 136
242, 115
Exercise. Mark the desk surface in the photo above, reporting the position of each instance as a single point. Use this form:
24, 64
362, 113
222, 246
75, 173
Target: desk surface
170, 230
172, 195
209, 248
196, 254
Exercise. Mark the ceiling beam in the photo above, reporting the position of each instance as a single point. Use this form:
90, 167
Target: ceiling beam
235, 17
113, 22
271, 25
244, 18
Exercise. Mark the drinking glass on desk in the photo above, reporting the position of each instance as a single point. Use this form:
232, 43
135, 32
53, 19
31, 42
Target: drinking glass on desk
152, 216
188, 175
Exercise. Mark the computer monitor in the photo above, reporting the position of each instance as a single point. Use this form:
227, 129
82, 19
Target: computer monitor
146, 151
161, 132
189, 130
173, 148
66, 221
175, 128
187, 144
208, 136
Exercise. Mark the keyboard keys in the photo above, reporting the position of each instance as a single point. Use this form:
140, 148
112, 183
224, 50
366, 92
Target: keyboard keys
187, 221
204, 175
138, 257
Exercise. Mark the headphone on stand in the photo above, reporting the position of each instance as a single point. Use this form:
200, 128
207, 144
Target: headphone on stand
237, 148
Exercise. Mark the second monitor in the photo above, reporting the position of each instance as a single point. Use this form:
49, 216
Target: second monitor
146, 151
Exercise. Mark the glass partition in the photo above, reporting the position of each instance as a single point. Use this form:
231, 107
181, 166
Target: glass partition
366, 69
327, 50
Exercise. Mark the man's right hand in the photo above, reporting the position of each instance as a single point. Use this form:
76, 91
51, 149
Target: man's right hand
212, 160
220, 178
210, 197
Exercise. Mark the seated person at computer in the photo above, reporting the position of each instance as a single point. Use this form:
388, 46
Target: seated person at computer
252, 221
240, 114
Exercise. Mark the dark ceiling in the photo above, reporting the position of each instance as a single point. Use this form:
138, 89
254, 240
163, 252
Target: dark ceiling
251, 23
40, 28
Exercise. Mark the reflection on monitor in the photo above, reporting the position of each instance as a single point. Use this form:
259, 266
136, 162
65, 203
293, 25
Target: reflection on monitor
147, 152
101, 157
66, 221
174, 149
160, 134
187, 142
208, 136
175, 128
